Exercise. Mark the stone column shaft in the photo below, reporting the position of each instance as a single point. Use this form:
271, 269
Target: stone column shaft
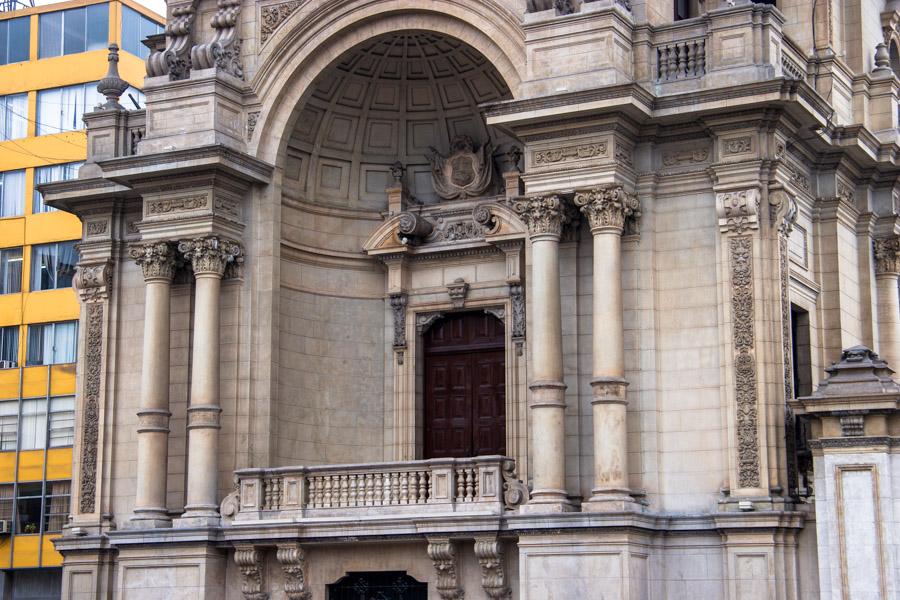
158, 263
208, 257
887, 272
545, 218
606, 209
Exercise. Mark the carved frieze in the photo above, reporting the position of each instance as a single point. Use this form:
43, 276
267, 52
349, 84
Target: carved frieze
563, 154
739, 145
273, 15
398, 309
543, 215
489, 552
465, 172
210, 255
442, 553
745, 378
689, 156
293, 563
607, 207
175, 60
156, 259
96, 227
887, 255
90, 421
249, 561
175, 205
738, 211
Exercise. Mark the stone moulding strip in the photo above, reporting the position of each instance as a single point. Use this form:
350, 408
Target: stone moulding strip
90, 432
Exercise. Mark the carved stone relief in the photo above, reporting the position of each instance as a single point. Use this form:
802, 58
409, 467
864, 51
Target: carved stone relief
224, 51
607, 207
249, 561
465, 172
90, 426
210, 254
443, 554
175, 60
887, 255
458, 290
293, 562
398, 309
689, 156
93, 280
738, 211
517, 302
252, 119
544, 215
273, 15
738, 145
571, 153
489, 552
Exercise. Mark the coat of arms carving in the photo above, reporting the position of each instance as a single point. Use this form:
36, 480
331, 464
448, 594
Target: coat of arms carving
465, 172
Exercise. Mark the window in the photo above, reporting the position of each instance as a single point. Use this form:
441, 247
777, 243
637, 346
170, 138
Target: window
10, 270
15, 38
7, 498
61, 109
13, 117
62, 172
12, 189
28, 507
74, 30
33, 424
133, 99
135, 28
56, 506
53, 265
9, 426
9, 347
62, 421
52, 343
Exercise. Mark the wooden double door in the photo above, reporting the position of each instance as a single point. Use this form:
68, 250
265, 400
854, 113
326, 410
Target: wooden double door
465, 387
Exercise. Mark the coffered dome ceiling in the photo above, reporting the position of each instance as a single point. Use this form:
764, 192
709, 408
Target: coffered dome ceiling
388, 100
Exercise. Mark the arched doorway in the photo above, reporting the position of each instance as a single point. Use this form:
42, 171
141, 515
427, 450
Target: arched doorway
464, 387
378, 585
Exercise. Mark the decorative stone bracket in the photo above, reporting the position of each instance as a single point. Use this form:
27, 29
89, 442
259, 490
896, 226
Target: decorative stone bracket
489, 552
224, 51
443, 554
738, 211
293, 563
248, 558
175, 60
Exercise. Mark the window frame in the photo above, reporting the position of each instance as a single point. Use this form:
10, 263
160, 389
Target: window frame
20, 207
4, 331
4, 267
90, 37
36, 276
6, 40
54, 324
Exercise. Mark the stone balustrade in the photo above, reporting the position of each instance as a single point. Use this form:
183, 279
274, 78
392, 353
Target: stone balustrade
481, 484
681, 60
137, 128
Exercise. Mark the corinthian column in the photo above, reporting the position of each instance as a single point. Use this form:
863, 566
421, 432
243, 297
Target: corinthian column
606, 209
157, 260
887, 270
545, 218
208, 257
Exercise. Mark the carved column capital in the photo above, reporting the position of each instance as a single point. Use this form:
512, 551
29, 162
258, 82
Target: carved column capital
489, 552
887, 255
293, 562
210, 255
738, 211
543, 215
157, 260
607, 207
443, 554
93, 280
249, 560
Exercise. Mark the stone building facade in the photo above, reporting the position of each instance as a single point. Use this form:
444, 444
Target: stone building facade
495, 299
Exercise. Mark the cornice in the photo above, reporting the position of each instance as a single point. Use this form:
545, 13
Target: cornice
130, 169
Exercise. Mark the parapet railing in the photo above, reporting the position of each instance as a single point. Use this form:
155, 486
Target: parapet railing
479, 484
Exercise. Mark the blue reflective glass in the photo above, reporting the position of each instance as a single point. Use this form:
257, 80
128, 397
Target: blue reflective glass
19, 39
97, 26
50, 34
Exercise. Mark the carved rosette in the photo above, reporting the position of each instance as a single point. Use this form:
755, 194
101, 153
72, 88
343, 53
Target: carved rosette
210, 255
93, 280
398, 310
90, 421
249, 561
887, 255
293, 562
607, 208
489, 552
175, 60
745, 377
738, 212
543, 215
156, 259
443, 554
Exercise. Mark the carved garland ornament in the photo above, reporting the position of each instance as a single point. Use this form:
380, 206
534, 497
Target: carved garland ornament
607, 207
887, 255
443, 554
93, 357
293, 562
249, 561
543, 215
745, 380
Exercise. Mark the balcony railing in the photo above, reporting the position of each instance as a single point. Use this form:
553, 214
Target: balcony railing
484, 484
681, 60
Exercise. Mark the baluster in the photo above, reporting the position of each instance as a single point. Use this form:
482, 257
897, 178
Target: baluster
683, 60
423, 487
659, 64
379, 490
395, 488
342, 498
276, 493
701, 57
692, 58
460, 485
404, 488
313, 484
470, 485
672, 62
370, 489
326, 500
351, 493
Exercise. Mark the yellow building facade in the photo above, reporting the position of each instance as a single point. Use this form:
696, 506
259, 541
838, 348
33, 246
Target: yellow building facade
50, 60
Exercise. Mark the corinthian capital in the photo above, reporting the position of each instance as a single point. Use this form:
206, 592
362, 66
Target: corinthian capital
887, 255
157, 259
607, 207
543, 215
210, 255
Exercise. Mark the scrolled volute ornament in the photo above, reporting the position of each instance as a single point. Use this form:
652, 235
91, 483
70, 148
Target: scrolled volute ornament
156, 259
413, 227
543, 215
210, 255
782, 211
93, 280
607, 207
224, 51
515, 493
175, 60
484, 216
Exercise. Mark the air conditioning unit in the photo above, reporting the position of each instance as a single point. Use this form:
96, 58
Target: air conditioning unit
5, 526
7, 364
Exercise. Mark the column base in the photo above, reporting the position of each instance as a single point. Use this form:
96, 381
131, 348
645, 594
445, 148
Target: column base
604, 501
198, 517
548, 501
149, 519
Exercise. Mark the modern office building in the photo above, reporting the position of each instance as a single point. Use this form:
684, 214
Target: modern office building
51, 58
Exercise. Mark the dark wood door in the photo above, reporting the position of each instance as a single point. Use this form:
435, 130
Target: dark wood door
465, 387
